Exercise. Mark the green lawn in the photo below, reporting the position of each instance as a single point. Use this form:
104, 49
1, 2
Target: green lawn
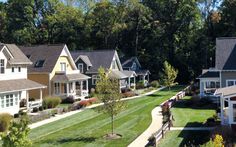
88, 127
184, 138
186, 114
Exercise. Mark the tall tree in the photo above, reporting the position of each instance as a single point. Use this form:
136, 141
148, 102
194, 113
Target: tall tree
170, 74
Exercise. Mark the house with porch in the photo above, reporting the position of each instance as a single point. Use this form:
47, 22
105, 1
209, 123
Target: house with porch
224, 72
14, 85
132, 64
54, 66
88, 62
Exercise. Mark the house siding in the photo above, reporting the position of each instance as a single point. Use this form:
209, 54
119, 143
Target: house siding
227, 75
42, 79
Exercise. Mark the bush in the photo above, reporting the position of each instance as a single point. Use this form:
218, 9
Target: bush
155, 84
31, 99
16, 115
5, 120
51, 102
195, 99
83, 103
40, 108
35, 109
92, 100
128, 94
68, 100
140, 85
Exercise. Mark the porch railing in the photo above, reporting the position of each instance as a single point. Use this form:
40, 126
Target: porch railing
34, 104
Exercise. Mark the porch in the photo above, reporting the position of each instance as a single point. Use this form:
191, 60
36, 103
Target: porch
70, 85
131, 81
143, 75
208, 86
228, 111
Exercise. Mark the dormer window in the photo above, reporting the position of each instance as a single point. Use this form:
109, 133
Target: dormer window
39, 63
80, 67
2, 66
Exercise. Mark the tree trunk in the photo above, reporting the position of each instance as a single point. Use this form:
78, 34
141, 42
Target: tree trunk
112, 124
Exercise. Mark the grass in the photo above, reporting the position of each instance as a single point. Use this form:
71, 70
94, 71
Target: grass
63, 105
88, 127
188, 115
184, 138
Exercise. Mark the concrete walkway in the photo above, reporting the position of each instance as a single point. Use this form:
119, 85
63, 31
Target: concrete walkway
61, 116
142, 140
192, 128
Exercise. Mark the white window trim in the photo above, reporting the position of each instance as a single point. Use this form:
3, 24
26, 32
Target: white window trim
81, 64
234, 80
231, 114
63, 66
56, 88
2, 66
14, 98
94, 79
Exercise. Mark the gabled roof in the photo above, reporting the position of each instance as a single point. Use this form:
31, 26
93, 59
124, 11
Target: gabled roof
129, 62
85, 59
210, 74
47, 53
143, 72
98, 58
16, 56
129, 73
117, 74
225, 53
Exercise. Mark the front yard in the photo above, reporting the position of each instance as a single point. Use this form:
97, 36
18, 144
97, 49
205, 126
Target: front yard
187, 114
88, 127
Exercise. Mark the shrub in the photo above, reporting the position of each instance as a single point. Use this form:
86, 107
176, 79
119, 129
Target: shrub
68, 100
140, 85
92, 100
128, 94
35, 109
155, 84
195, 99
40, 108
51, 102
5, 120
31, 99
16, 115
23, 103
83, 103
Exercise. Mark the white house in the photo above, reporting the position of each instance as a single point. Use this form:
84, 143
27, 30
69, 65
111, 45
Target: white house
14, 85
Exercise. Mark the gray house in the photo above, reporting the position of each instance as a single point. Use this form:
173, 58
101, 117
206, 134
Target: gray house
132, 64
88, 62
221, 80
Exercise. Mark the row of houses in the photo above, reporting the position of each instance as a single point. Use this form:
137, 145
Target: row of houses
30, 73
220, 80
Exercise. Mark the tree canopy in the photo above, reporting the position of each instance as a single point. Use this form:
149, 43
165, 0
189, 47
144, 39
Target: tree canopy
182, 32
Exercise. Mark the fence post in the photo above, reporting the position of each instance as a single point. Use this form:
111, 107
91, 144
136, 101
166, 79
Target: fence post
162, 133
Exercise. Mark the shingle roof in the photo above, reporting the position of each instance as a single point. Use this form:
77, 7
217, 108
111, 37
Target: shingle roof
49, 53
69, 77
85, 59
210, 74
117, 74
97, 58
19, 85
129, 73
18, 56
226, 53
142, 72
226, 91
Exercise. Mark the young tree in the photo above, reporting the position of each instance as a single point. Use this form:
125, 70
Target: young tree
108, 93
18, 134
170, 74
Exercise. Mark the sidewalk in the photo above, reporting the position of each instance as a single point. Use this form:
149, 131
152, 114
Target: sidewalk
142, 140
58, 117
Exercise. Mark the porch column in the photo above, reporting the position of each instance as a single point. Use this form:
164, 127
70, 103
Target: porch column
67, 89
129, 82
81, 88
148, 78
27, 100
41, 95
134, 82
59, 92
222, 109
201, 88
74, 87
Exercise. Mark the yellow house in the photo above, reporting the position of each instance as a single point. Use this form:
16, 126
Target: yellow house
53, 66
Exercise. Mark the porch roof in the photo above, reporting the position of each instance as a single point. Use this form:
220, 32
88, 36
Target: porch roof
69, 77
129, 73
143, 72
210, 74
19, 85
117, 74
226, 91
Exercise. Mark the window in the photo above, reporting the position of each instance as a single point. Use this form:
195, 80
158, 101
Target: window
80, 67
57, 88
212, 84
39, 63
16, 99
19, 69
230, 82
234, 112
94, 79
2, 102
13, 69
7, 100
63, 66
2, 65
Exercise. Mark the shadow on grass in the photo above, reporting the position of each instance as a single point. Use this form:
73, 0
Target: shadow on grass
194, 138
78, 139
